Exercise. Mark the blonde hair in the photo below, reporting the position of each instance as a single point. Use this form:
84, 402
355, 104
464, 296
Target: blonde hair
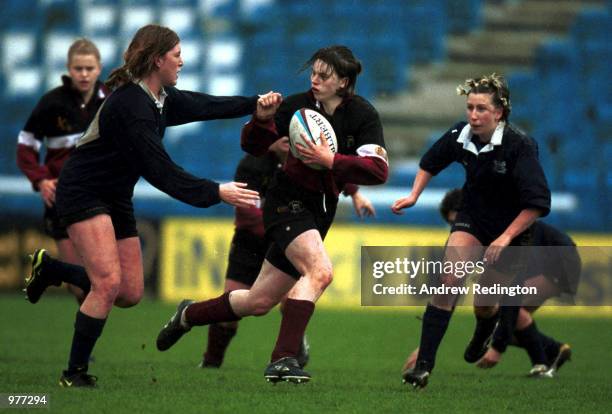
493, 84
83, 46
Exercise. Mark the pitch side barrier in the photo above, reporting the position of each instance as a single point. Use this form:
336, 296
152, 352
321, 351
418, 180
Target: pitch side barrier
374, 265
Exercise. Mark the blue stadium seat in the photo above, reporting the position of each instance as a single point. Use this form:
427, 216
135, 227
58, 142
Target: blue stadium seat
524, 100
62, 15
556, 65
464, 15
100, 18
425, 31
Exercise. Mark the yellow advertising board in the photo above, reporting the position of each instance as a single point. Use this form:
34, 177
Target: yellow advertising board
194, 255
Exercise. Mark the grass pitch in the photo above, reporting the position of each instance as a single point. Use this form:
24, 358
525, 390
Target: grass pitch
356, 356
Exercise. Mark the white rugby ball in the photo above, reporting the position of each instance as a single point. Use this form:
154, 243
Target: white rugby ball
310, 124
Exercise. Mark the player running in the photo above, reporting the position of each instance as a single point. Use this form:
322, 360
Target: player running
555, 273
95, 189
58, 121
299, 209
504, 193
249, 245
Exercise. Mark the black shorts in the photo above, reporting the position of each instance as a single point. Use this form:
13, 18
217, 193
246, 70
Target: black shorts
465, 222
247, 253
562, 267
511, 261
75, 206
289, 211
52, 226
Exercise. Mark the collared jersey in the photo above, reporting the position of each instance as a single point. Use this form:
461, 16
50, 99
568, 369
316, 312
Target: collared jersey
129, 145
58, 121
502, 179
361, 156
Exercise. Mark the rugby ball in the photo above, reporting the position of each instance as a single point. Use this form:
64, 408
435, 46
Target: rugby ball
310, 124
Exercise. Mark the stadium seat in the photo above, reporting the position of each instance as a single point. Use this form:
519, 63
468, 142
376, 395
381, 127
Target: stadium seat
556, 70
524, 101
134, 16
464, 15
193, 52
18, 48
425, 31
61, 15
99, 18
183, 20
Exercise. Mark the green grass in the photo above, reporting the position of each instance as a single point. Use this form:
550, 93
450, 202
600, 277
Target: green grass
355, 362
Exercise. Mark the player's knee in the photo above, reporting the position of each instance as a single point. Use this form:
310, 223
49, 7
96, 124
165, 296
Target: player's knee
323, 276
129, 297
107, 286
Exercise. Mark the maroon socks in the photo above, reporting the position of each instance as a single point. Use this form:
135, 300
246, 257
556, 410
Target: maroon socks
211, 311
296, 314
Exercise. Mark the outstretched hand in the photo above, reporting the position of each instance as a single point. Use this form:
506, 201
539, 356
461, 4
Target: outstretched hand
402, 203
267, 105
363, 206
238, 195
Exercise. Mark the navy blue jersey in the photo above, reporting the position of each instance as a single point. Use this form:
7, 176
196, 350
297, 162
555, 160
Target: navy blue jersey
502, 178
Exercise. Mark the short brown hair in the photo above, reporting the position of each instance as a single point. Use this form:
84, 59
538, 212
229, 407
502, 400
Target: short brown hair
83, 46
342, 61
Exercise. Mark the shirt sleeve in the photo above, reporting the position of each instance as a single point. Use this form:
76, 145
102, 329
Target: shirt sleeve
142, 146
29, 142
442, 153
185, 106
257, 136
371, 164
530, 179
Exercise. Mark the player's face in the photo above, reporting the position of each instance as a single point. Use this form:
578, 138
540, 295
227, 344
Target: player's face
482, 115
324, 82
451, 217
84, 71
170, 65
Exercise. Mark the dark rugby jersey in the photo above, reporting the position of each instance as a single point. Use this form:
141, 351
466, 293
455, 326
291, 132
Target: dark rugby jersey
131, 126
502, 179
257, 173
361, 156
60, 117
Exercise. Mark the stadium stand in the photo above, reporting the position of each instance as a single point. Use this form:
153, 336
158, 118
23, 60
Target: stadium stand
557, 61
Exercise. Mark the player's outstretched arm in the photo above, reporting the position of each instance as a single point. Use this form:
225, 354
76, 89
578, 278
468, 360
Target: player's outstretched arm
238, 195
420, 182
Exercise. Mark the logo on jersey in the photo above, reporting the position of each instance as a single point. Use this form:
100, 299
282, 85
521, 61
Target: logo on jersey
499, 167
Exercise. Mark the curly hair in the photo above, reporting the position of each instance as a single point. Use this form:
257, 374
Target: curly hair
493, 84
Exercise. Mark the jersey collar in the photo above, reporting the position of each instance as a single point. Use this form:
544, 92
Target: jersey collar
159, 103
465, 138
